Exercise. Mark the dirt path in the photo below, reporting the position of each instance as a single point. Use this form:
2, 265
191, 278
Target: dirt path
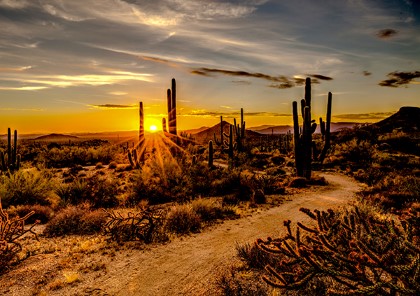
185, 266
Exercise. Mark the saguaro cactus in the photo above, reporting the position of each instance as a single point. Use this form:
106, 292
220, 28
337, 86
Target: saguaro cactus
229, 145
219, 143
171, 100
240, 131
141, 127
164, 125
12, 162
211, 151
303, 141
326, 129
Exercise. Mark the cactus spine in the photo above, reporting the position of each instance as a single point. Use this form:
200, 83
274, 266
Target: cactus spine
12, 162
171, 100
211, 151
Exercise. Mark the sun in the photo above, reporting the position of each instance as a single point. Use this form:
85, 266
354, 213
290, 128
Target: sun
153, 128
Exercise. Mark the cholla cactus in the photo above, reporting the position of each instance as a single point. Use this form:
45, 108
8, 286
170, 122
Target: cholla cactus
11, 229
360, 253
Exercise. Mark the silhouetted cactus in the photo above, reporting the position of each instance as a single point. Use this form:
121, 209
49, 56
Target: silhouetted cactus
211, 153
164, 125
12, 162
141, 126
304, 146
240, 131
326, 129
221, 142
135, 159
360, 252
171, 100
229, 144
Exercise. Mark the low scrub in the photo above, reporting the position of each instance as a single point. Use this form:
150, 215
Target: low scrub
11, 230
100, 192
145, 225
182, 219
209, 209
76, 220
23, 187
40, 213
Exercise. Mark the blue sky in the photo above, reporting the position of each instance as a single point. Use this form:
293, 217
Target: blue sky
84, 65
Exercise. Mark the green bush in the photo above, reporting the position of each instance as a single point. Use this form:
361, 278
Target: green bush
23, 187
98, 191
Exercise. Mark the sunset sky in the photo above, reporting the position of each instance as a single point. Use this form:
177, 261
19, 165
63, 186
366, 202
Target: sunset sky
73, 66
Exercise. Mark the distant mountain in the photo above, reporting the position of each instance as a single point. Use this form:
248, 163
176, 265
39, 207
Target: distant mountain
208, 134
196, 130
282, 129
275, 129
55, 137
407, 119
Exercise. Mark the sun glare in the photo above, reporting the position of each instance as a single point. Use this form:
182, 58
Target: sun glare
153, 128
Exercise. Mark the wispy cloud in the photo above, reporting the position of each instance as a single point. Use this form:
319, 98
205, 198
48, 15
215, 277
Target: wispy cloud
24, 88
320, 77
280, 82
112, 77
397, 79
366, 73
386, 33
364, 116
208, 113
113, 106
22, 109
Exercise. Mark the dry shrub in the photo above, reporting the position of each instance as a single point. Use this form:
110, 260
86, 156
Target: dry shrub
76, 220
209, 210
237, 282
254, 257
40, 213
145, 225
182, 219
11, 230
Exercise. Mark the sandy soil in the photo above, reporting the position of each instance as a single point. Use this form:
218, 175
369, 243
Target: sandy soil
186, 266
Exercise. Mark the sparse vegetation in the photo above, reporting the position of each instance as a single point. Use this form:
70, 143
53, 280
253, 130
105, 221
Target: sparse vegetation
11, 230
76, 220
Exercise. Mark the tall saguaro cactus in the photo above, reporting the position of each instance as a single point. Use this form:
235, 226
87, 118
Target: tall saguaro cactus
326, 129
211, 151
12, 162
141, 127
303, 141
240, 131
171, 100
219, 143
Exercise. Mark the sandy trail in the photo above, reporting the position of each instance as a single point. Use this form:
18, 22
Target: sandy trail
185, 266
